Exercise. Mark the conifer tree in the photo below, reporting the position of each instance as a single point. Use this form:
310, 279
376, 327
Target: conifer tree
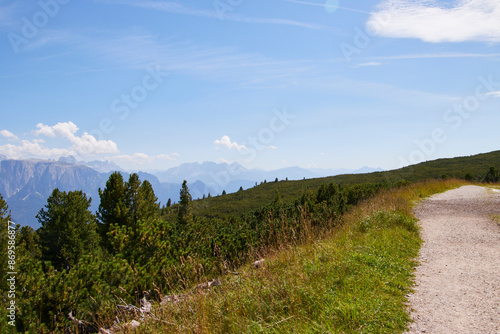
185, 199
68, 230
112, 208
4, 237
125, 203
132, 198
148, 202
493, 175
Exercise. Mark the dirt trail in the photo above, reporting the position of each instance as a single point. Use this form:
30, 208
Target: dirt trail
458, 281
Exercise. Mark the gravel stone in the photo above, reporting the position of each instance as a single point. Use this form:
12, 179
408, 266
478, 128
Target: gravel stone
457, 286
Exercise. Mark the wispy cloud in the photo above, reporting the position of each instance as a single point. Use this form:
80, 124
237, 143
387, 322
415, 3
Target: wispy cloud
7, 13
141, 49
494, 94
370, 63
439, 55
9, 135
468, 20
177, 8
327, 6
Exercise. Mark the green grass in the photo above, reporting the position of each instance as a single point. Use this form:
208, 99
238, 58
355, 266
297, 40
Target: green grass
353, 280
240, 202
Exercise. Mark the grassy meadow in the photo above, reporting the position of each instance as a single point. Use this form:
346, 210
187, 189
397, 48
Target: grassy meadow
353, 278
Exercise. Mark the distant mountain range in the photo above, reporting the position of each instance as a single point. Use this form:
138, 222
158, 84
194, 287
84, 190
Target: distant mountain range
231, 177
26, 184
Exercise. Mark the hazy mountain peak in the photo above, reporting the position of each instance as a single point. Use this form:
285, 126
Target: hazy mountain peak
102, 166
69, 159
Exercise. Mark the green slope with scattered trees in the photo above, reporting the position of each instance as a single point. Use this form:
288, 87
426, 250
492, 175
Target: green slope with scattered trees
471, 168
94, 266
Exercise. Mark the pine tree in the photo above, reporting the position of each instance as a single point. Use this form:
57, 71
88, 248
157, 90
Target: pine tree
4, 237
185, 199
125, 203
169, 203
112, 208
132, 198
492, 176
148, 202
68, 230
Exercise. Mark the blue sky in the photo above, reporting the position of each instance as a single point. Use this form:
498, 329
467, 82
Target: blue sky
268, 84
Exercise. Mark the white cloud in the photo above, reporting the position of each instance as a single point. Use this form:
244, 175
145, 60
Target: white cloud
8, 134
143, 158
167, 156
272, 147
467, 20
65, 130
139, 158
28, 149
494, 94
66, 135
84, 145
71, 144
225, 141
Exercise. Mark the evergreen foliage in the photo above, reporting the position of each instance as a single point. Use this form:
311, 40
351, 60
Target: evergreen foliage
69, 229
492, 176
125, 203
4, 226
112, 208
185, 200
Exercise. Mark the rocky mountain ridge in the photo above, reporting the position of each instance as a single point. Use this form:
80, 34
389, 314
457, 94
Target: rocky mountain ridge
26, 184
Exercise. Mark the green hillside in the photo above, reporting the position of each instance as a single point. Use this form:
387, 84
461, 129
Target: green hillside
251, 199
90, 266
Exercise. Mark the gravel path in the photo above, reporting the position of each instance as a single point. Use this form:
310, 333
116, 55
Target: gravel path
458, 281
